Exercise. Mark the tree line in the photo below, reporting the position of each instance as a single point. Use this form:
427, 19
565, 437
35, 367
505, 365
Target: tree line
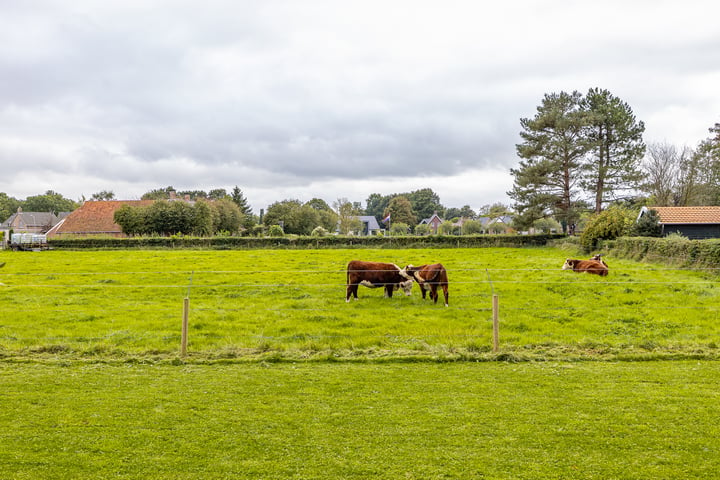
218, 211
581, 153
578, 154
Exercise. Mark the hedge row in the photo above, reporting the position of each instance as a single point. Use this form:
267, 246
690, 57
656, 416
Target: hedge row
673, 251
220, 243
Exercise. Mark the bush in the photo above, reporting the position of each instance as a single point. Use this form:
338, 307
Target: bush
276, 231
472, 227
648, 225
446, 228
673, 250
399, 228
318, 232
547, 225
422, 229
608, 225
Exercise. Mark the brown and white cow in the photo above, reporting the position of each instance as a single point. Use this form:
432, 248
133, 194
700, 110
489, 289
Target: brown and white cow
590, 266
375, 275
430, 277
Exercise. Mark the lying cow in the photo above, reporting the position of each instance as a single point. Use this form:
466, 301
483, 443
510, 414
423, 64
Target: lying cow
598, 258
589, 266
430, 277
374, 275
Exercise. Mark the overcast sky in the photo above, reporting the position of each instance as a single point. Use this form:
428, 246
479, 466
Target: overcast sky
330, 99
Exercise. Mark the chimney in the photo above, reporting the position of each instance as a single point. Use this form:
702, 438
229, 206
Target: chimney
172, 194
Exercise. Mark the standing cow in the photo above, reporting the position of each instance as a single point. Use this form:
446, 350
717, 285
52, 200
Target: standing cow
374, 275
590, 266
430, 277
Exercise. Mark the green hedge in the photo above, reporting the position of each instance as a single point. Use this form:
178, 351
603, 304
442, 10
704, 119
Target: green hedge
437, 241
672, 251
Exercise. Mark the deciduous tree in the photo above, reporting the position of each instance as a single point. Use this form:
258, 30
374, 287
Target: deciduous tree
347, 215
400, 210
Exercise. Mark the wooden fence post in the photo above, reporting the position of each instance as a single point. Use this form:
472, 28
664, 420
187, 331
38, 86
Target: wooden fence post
496, 323
186, 314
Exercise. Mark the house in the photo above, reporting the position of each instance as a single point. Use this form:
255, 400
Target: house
434, 222
370, 225
31, 222
691, 222
93, 218
495, 225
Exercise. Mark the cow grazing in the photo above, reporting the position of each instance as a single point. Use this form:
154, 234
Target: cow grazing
375, 275
430, 277
590, 266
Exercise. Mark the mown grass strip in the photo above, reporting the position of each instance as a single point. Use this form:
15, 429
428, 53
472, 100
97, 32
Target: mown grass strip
589, 420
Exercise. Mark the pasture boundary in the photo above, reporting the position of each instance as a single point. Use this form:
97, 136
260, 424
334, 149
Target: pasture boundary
495, 307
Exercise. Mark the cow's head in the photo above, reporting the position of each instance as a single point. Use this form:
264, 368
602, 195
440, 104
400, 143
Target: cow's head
569, 264
412, 270
406, 287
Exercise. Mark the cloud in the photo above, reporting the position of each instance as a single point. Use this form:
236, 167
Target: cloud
130, 96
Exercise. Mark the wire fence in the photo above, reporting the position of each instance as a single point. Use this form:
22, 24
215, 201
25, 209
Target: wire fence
205, 296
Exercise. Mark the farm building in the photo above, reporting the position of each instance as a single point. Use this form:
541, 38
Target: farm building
691, 222
93, 218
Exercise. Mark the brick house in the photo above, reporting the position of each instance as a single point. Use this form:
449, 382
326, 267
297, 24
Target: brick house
434, 222
31, 222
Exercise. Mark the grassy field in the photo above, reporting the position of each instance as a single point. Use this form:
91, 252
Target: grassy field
290, 304
284, 379
530, 420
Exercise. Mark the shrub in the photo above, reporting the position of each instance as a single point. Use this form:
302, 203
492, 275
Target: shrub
276, 231
472, 227
648, 225
608, 225
422, 229
318, 232
399, 228
446, 228
547, 225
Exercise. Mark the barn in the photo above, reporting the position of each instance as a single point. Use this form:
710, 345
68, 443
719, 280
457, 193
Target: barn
691, 222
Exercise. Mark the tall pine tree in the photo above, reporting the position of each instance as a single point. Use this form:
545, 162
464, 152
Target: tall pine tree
552, 152
615, 135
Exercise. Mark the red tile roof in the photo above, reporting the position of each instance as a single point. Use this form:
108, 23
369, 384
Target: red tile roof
94, 218
681, 215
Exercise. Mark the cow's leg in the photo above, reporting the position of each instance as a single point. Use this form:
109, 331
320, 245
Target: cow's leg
445, 291
352, 289
422, 289
389, 287
433, 292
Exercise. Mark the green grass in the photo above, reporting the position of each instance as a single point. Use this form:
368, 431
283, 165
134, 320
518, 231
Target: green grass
586, 420
290, 304
286, 380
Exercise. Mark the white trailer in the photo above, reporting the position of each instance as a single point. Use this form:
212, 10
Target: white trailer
28, 241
